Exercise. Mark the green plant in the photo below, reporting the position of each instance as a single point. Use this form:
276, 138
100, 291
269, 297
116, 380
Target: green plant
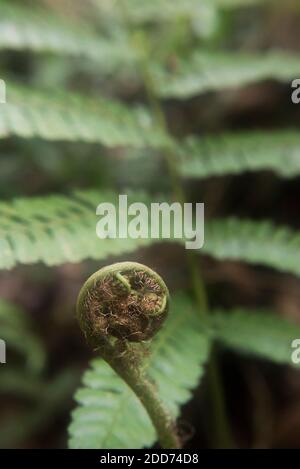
120, 304
165, 56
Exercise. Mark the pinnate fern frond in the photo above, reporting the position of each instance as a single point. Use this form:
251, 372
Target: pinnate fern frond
166, 10
220, 155
232, 4
106, 405
39, 30
66, 116
205, 71
258, 333
260, 243
57, 229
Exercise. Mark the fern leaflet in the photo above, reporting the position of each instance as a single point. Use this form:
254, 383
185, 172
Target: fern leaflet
168, 10
55, 229
39, 30
65, 116
203, 157
254, 242
205, 71
256, 332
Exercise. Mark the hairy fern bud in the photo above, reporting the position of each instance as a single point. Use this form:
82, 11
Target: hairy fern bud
127, 301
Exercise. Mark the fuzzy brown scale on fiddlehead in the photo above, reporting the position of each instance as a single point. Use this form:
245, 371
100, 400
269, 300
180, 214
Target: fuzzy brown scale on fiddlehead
127, 301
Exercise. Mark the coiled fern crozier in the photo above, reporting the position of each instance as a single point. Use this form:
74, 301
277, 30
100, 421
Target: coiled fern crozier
123, 303
160, 56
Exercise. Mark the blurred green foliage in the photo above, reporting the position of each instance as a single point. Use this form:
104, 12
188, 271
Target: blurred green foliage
78, 127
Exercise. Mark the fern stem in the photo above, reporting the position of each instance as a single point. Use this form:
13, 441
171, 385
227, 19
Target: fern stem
221, 422
145, 391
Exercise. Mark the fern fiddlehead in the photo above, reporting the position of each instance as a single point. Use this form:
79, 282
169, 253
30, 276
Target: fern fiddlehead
118, 307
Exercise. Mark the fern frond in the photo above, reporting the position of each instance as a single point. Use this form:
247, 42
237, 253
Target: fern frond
163, 10
65, 116
205, 71
203, 157
232, 4
255, 242
39, 30
166, 10
107, 405
256, 332
58, 229
16, 331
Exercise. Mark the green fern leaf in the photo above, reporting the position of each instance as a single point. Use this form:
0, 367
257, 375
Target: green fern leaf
57, 229
254, 242
259, 333
64, 116
166, 10
39, 30
232, 4
206, 71
107, 405
236, 153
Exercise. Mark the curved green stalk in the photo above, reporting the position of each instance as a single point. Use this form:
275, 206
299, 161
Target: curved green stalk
145, 391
